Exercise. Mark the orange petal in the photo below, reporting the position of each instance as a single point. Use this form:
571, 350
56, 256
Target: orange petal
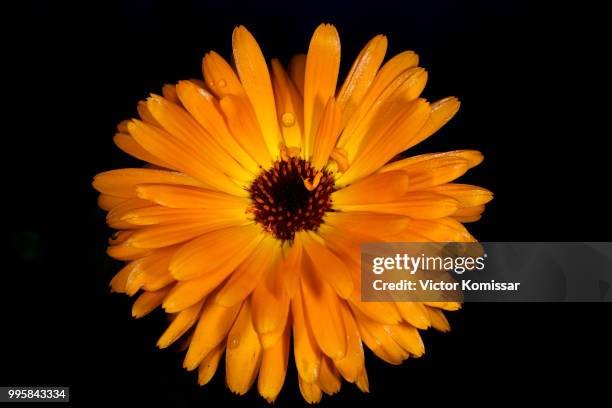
155, 215
469, 214
469, 211
123, 182
186, 197
353, 361
382, 312
320, 78
389, 73
306, 351
435, 172
127, 143
145, 115
212, 328
362, 381
108, 202
249, 274
181, 323
119, 282
274, 367
328, 267
297, 71
113, 218
147, 302
209, 364
361, 75
185, 132
310, 391
243, 353
150, 272
380, 148
158, 236
391, 102
467, 195
245, 128
126, 252
289, 106
253, 72
189, 292
378, 188
120, 237
169, 92
438, 230
408, 338
346, 246
367, 224
379, 340
122, 126
329, 378
270, 303
291, 266
270, 339
187, 159
449, 306
322, 314
217, 253
418, 204
392, 74
438, 320
327, 134
441, 112
205, 110
473, 157
467, 218
414, 313
219, 76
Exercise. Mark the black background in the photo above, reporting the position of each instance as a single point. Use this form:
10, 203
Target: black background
527, 79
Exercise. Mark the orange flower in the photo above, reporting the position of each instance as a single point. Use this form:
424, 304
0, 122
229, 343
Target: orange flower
245, 224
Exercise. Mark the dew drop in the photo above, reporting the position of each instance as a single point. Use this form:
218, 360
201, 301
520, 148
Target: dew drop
233, 343
221, 83
288, 119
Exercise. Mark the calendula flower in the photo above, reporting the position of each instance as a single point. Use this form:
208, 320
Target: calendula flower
260, 184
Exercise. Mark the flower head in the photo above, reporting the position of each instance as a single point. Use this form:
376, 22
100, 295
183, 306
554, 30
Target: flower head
261, 183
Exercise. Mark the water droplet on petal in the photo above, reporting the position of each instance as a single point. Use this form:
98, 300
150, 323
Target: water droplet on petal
221, 83
288, 119
233, 343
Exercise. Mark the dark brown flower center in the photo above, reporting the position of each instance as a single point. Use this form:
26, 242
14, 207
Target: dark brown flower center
283, 204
